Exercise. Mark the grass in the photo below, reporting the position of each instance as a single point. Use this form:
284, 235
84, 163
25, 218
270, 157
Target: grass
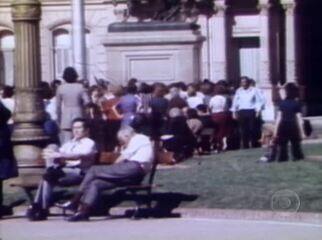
234, 180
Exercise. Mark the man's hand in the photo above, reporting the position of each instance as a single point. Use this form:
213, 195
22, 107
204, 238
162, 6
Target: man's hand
257, 114
235, 116
49, 153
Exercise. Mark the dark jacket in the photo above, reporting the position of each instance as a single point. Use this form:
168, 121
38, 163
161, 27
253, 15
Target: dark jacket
8, 165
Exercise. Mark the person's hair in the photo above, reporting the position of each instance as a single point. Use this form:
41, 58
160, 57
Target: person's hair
159, 90
82, 120
207, 88
246, 78
125, 132
202, 108
55, 83
252, 82
145, 88
220, 89
8, 92
132, 81
182, 86
131, 89
139, 121
192, 113
102, 83
70, 75
291, 91
175, 112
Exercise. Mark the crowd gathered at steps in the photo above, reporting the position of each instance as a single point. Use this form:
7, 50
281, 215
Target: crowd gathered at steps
202, 118
197, 118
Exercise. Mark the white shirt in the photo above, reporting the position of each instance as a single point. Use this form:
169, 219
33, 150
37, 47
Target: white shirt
139, 149
246, 99
9, 103
218, 104
85, 147
194, 101
50, 108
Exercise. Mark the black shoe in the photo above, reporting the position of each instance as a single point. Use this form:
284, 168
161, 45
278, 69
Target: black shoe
36, 213
6, 211
78, 217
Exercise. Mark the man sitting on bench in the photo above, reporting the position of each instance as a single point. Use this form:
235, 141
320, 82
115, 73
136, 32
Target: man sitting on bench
130, 168
64, 166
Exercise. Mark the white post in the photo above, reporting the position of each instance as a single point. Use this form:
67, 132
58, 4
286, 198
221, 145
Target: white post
78, 37
264, 72
217, 42
289, 6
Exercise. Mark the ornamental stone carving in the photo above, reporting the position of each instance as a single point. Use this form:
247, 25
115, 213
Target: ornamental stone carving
25, 10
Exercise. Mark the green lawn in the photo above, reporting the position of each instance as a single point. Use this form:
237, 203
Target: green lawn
234, 180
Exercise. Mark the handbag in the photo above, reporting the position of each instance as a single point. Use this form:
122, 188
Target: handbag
307, 127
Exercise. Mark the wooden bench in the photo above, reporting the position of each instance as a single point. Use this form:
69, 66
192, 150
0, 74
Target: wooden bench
140, 194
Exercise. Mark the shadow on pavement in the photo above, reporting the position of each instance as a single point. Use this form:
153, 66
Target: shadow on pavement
161, 205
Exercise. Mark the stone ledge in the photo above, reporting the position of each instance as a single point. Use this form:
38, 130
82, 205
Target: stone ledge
151, 26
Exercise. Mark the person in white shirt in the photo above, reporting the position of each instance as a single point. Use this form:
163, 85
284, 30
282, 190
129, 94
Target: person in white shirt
246, 108
133, 164
194, 99
65, 165
221, 117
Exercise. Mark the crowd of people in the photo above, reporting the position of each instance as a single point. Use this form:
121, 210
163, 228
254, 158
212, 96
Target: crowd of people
197, 118
200, 117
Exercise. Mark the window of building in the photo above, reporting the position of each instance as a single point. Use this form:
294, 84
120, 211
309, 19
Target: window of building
7, 47
62, 50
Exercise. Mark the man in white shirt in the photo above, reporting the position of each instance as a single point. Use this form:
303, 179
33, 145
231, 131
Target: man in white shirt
246, 107
133, 164
65, 165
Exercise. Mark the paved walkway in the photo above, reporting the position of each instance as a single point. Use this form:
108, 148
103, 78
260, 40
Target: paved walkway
188, 227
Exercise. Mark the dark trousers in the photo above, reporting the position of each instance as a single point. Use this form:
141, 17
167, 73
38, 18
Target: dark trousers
289, 132
55, 177
247, 127
99, 178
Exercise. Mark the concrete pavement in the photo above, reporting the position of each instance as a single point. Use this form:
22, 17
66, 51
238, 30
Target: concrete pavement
184, 228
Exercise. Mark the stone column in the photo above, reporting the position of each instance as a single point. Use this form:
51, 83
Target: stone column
289, 6
28, 135
78, 37
264, 44
217, 42
265, 84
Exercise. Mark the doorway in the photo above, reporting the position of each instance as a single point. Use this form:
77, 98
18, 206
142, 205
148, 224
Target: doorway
245, 60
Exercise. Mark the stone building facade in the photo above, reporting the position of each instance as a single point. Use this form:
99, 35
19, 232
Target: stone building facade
256, 38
